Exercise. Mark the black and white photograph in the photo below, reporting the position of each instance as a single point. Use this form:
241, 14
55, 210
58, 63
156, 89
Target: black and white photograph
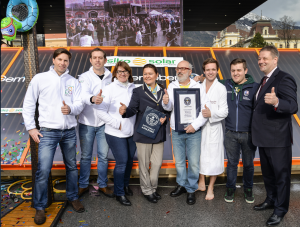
123, 23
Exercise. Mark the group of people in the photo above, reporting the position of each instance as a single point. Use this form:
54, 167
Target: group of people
132, 31
110, 109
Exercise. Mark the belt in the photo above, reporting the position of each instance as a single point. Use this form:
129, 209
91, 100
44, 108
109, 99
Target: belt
236, 131
50, 129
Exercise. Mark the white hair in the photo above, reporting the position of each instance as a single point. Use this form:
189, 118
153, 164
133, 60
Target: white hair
190, 65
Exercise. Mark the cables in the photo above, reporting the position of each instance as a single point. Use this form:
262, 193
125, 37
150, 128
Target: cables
26, 190
57, 181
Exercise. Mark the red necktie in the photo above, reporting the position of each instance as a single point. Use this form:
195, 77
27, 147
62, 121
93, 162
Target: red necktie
263, 84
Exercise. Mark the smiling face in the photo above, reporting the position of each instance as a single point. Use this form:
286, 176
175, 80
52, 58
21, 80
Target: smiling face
149, 76
122, 74
61, 63
238, 73
97, 60
267, 62
211, 71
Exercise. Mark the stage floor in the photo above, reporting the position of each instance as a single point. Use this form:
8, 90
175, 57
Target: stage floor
103, 211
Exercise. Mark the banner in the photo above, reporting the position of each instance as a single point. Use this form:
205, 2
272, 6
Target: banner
11, 110
141, 61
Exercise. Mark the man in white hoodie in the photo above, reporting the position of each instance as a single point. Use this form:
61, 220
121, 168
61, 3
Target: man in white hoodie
58, 95
90, 126
188, 143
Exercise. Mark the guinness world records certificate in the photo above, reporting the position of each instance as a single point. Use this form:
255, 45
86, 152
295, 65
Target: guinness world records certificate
187, 107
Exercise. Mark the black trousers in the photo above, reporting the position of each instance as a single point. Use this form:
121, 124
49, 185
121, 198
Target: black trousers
276, 166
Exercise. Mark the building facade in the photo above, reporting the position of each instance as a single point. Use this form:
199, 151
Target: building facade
233, 37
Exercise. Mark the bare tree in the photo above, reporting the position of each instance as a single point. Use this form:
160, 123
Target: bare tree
286, 29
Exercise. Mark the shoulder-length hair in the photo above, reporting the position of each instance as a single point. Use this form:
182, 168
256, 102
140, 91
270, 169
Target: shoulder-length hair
126, 67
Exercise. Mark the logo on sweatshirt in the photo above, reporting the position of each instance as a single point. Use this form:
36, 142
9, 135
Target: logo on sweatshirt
69, 90
81, 81
152, 119
246, 93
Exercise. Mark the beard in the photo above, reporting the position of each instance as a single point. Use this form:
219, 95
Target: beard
182, 78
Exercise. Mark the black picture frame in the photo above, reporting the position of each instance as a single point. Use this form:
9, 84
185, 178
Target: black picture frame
179, 91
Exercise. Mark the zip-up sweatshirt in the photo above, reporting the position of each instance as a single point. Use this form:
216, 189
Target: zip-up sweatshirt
108, 110
200, 120
51, 90
240, 104
90, 86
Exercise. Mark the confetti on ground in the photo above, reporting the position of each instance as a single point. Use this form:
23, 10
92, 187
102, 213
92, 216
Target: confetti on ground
82, 221
6, 138
168, 212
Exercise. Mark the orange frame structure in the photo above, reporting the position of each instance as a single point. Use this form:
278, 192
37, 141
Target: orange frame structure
168, 163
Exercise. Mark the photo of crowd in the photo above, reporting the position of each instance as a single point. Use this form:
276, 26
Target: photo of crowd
107, 23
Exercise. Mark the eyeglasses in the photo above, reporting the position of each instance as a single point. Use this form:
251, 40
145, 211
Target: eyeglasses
182, 69
121, 72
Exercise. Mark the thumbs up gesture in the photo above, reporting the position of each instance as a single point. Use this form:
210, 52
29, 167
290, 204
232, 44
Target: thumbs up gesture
98, 99
65, 109
166, 97
271, 98
122, 109
200, 78
206, 112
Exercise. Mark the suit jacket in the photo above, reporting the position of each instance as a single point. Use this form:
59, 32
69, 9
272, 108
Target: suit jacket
270, 127
140, 99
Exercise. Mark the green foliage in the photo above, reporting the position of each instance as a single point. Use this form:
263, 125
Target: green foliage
258, 41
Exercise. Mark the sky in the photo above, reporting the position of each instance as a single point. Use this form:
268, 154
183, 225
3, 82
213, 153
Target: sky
276, 9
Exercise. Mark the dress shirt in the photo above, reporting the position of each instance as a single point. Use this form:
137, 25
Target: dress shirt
269, 75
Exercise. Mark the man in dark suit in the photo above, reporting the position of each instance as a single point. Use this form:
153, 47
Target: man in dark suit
275, 102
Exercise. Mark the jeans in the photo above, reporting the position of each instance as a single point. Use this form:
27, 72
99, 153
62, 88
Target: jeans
187, 145
87, 136
123, 150
47, 147
234, 142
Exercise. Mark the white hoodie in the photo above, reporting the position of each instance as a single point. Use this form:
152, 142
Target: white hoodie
51, 90
90, 86
108, 110
200, 120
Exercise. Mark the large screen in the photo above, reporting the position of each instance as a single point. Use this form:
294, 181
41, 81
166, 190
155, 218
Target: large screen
124, 22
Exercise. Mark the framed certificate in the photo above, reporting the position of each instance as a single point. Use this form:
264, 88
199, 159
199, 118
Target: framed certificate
187, 106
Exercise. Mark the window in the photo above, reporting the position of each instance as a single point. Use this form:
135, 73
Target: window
288, 45
280, 46
295, 45
265, 32
229, 42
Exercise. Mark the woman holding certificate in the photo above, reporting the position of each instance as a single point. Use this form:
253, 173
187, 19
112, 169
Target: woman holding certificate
212, 148
150, 129
119, 131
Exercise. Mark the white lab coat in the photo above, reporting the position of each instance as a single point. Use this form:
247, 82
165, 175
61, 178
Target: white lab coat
212, 147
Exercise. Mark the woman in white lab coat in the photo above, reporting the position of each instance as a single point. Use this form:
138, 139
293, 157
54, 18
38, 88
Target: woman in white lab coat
212, 147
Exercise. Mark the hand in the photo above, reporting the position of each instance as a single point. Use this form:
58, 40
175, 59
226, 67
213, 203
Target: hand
166, 98
34, 133
271, 98
162, 120
190, 129
122, 109
98, 99
120, 127
200, 78
206, 112
65, 109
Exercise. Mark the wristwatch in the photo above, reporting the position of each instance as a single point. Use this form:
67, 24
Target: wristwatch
91, 100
